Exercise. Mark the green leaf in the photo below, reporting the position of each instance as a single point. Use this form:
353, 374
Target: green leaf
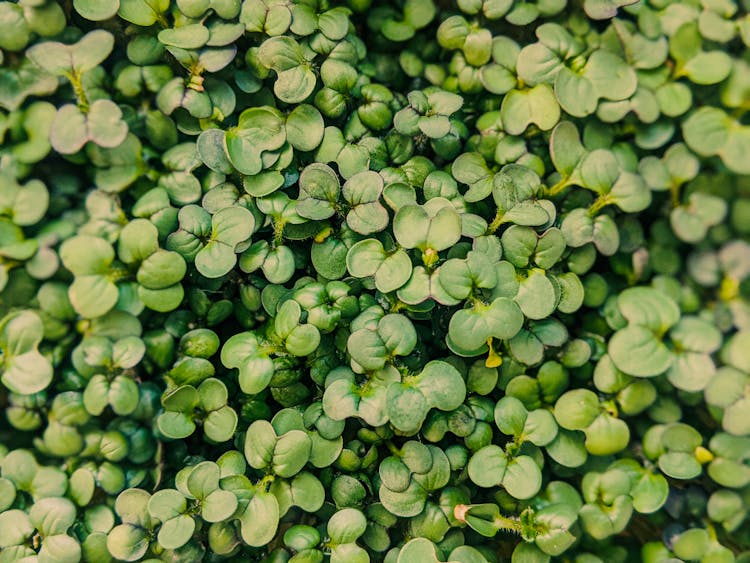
537, 106
487, 466
568, 448
190, 36
471, 169
638, 352
87, 53
16, 528
418, 549
68, 134
733, 152
369, 258
510, 416
691, 544
630, 193
407, 503
295, 85
679, 465
175, 425
442, 385
124, 395
92, 295
132, 507
708, 67
161, 270
210, 146
536, 296
256, 369
362, 191
232, 225
648, 307
216, 259
166, 504
219, 506
304, 128
599, 170
346, 526
96, 11
60, 547
557, 520
649, 493
259, 444
522, 478
575, 93
610, 76
127, 542
260, 520
85, 254
280, 53
540, 428
52, 516
692, 221
576, 409
291, 453
220, 424
435, 226
142, 12
513, 187
407, 408
565, 148
279, 265
24, 370
303, 340
707, 130
319, 191
606, 435
604, 9
579, 229
105, 125
397, 333
258, 129
470, 328
691, 371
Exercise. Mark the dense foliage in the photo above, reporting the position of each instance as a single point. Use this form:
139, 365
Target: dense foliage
375, 280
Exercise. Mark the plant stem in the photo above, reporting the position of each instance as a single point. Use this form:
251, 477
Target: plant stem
83, 100
509, 524
558, 187
601, 202
278, 232
392, 448
739, 112
496, 222
674, 190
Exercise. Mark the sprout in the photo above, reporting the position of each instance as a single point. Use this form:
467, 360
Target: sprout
398, 281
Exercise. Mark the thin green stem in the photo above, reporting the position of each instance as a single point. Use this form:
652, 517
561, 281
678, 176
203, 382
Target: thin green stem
496, 222
80, 92
499, 522
601, 202
265, 483
392, 448
397, 306
278, 232
506, 523
430, 258
674, 190
739, 112
563, 183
